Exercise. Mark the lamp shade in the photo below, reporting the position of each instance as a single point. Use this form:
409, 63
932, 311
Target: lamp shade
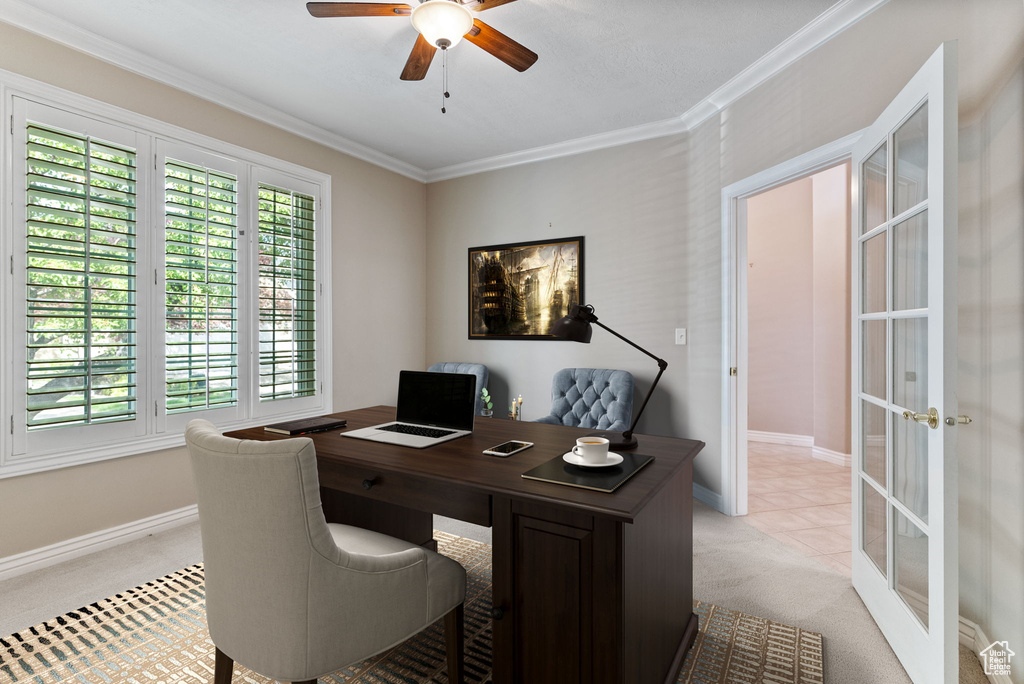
576, 326
442, 22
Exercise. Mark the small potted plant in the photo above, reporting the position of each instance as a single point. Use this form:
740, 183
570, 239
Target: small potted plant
487, 409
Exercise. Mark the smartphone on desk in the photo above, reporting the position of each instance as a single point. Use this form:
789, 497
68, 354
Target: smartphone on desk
508, 448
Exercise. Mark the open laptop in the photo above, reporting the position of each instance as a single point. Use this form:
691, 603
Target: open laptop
432, 408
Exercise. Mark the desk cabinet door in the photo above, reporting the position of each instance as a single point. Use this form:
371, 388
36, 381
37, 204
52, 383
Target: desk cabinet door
559, 567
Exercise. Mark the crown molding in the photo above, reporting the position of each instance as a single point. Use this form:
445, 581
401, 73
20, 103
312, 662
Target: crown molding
832, 22
24, 16
828, 25
600, 141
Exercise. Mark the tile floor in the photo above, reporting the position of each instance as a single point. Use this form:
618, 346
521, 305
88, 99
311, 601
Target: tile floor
802, 501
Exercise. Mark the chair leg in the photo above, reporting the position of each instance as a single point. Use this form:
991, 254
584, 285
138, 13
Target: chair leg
454, 635
222, 668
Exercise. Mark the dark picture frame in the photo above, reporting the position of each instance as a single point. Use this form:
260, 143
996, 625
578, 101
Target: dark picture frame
517, 290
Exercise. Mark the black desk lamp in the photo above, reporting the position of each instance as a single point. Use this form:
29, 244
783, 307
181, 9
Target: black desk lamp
576, 327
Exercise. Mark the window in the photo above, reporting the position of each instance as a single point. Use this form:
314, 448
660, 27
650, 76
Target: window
201, 263
156, 276
80, 280
287, 296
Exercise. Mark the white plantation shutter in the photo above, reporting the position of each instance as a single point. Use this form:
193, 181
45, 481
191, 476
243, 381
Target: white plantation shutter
80, 278
151, 276
287, 294
201, 282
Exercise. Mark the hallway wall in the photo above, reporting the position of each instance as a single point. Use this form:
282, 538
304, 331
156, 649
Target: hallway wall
798, 300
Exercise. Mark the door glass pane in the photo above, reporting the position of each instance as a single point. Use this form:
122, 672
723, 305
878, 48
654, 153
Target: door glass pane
911, 554
872, 423
875, 189
873, 363
910, 464
910, 263
910, 363
910, 153
874, 526
872, 277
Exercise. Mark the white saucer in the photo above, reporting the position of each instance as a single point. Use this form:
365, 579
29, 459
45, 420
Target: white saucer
613, 460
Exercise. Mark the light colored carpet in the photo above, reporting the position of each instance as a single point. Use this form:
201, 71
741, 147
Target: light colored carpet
738, 566
971, 671
157, 632
735, 566
29, 599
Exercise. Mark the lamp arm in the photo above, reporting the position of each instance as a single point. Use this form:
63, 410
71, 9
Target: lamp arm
662, 365
629, 342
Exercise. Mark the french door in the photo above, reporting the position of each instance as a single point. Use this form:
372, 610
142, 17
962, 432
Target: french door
904, 360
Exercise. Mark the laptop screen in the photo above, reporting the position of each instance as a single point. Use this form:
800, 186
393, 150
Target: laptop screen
440, 399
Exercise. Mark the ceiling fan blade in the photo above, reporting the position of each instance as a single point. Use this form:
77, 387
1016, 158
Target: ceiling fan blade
419, 60
501, 46
358, 9
481, 5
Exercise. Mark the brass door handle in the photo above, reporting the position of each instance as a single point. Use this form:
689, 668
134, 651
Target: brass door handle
931, 419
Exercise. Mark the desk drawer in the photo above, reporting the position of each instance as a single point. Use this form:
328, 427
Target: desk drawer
410, 491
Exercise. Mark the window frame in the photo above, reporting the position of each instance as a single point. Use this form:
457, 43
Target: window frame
153, 429
265, 409
54, 440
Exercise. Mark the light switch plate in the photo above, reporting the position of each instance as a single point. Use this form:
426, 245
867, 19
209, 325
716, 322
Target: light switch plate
680, 335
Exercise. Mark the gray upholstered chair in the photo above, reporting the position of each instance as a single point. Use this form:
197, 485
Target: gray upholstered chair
291, 596
591, 398
477, 369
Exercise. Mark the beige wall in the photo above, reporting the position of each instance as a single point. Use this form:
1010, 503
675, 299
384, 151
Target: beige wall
831, 317
641, 274
780, 310
378, 243
991, 351
651, 212
798, 310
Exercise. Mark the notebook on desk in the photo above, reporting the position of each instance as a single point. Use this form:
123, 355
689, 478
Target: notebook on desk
432, 408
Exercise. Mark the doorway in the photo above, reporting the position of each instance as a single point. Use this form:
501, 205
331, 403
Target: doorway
798, 364
771, 443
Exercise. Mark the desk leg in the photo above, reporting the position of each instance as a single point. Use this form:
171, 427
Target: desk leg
395, 521
503, 621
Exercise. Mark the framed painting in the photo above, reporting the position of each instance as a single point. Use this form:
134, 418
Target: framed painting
517, 291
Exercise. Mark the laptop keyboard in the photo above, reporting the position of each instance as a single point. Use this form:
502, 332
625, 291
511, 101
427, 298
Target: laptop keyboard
416, 430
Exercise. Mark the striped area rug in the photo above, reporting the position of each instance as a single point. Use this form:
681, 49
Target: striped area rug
156, 634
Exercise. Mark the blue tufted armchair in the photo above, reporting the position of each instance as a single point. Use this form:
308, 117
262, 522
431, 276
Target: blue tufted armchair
597, 398
477, 369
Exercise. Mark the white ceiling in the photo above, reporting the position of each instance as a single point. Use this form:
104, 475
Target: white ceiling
605, 65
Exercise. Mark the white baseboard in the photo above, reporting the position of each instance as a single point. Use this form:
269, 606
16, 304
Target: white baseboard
800, 441
972, 636
708, 497
36, 559
780, 438
823, 454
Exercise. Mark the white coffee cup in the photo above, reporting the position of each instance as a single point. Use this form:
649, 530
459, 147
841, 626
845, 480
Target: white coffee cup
592, 450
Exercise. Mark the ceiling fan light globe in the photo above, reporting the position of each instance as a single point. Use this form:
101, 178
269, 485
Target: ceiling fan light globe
442, 20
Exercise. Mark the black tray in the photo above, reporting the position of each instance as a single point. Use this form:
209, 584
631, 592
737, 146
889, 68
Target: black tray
607, 479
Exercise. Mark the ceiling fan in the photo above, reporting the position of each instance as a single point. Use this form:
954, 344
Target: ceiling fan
442, 24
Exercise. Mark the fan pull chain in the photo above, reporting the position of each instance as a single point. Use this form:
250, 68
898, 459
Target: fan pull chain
444, 79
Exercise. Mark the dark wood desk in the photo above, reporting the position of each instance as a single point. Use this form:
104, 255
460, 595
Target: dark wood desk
588, 587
